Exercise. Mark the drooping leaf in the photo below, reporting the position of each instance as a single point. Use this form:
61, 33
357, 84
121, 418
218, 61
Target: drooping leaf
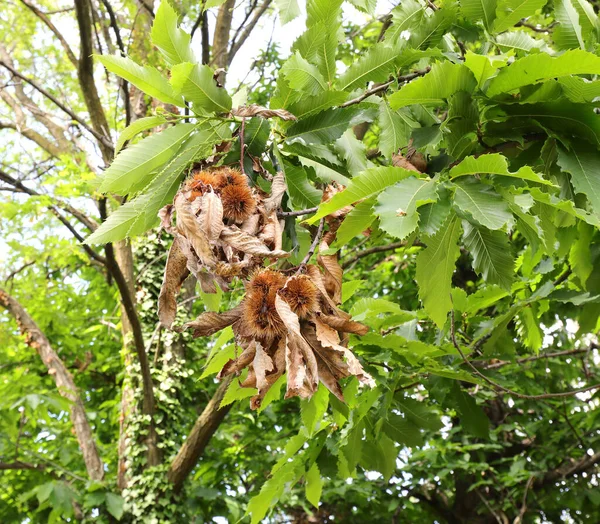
146, 78
367, 184
509, 12
302, 194
115, 504
438, 85
288, 10
303, 76
314, 485
581, 162
473, 417
142, 124
197, 84
357, 221
396, 127
480, 10
397, 206
540, 67
435, 266
491, 254
138, 161
172, 41
568, 34
493, 164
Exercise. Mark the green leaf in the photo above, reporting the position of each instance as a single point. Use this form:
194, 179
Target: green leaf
302, 194
520, 41
541, 67
402, 430
313, 409
580, 256
115, 503
396, 127
288, 10
375, 66
353, 151
349, 288
357, 221
327, 126
303, 76
509, 12
580, 90
137, 162
483, 66
172, 41
472, 417
146, 78
140, 214
256, 135
365, 185
43, 491
494, 164
309, 105
197, 84
236, 392
419, 414
406, 16
491, 254
481, 203
435, 266
582, 164
528, 328
432, 216
367, 307
438, 85
479, 10
397, 206
568, 34
314, 485
136, 127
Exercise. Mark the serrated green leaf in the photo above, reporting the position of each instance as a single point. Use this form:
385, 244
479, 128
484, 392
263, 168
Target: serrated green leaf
115, 504
419, 414
172, 41
438, 85
491, 254
564, 205
581, 162
405, 16
197, 84
349, 288
365, 185
313, 409
493, 164
367, 307
580, 90
303, 76
580, 256
309, 105
568, 34
302, 194
435, 266
327, 126
314, 485
541, 67
520, 41
483, 66
137, 162
288, 10
402, 430
528, 328
509, 12
353, 151
357, 221
481, 203
397, 206
473, 418
146, 78
236, 392
396, 127
142, 124
433, 216
479, 10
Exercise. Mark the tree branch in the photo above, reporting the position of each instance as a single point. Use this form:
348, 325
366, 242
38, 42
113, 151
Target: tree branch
236, 46
205, 427
221, 34
85, 74
42, 16
20, 465
556, 354
64, 108
35, 338
371, 250
504, 389
300, 213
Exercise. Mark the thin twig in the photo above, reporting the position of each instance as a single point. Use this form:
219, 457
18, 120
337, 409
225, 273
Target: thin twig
307, 211
313, 246
523, 510
242, 145
504, 389
375, 249
490, 509
383, 87
82, 122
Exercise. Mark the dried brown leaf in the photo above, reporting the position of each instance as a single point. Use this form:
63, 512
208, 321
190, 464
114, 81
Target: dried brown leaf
176, 272
210, 322
399, 160
242, 241
263, 112
236, 365
189, 227
343, 324
262, 364
333, 273
278, 189
211, 215
166, 218
272, 233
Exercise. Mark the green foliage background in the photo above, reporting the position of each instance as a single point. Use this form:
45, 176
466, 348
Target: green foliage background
492, 251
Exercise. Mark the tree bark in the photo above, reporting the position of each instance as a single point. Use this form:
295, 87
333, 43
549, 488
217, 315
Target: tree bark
35, 338
220, 48
196, 442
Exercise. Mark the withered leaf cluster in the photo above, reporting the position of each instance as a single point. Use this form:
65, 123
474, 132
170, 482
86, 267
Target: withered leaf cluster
289, 320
